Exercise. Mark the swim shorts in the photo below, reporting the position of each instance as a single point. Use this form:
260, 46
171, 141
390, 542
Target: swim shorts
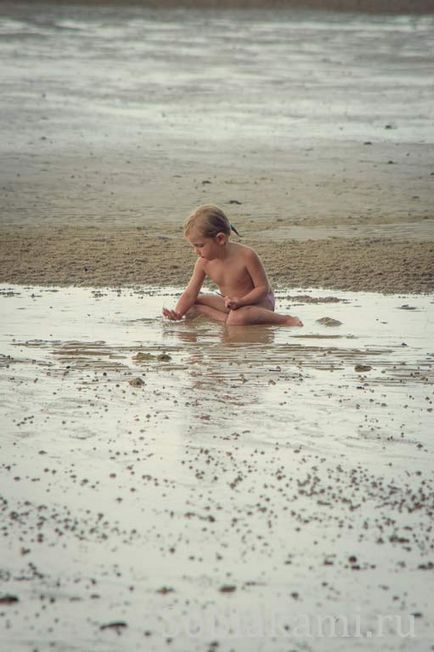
271, 298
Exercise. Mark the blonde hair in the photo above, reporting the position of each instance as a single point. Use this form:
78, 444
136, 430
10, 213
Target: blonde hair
209, 220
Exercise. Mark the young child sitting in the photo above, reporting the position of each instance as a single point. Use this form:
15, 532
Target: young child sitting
245, 296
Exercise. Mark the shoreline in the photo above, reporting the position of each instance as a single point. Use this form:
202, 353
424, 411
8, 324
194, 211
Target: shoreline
118, 257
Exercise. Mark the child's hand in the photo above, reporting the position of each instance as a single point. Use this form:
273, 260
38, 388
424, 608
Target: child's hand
172, 314
233, 303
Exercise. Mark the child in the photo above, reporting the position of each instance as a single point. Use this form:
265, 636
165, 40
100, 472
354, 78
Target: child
245, 293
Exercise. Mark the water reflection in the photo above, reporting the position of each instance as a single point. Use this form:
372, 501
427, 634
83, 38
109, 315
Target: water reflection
227, 371
258, 334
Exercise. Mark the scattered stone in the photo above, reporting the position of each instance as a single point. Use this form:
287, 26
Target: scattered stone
428, 566
227, 588
8, 599
329, 321
116, 626
142, 356
361, 368
306, 298
136, 382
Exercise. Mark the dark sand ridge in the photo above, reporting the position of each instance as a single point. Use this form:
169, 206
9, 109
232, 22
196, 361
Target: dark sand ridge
128, 256
365, 6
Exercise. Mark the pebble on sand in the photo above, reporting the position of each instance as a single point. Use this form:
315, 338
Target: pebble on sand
117, 626
136, 382
8, 599
329, 321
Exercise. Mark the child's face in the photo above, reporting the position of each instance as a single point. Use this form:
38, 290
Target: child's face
207, 248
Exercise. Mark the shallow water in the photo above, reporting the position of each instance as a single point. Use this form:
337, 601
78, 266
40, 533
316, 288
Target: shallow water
254, 482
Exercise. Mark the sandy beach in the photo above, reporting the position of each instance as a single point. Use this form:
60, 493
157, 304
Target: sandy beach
189, 486
314, 131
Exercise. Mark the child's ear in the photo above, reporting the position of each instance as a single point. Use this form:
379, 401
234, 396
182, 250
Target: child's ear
221, 238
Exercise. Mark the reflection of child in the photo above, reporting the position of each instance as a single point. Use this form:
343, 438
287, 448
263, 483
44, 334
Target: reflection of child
246, 296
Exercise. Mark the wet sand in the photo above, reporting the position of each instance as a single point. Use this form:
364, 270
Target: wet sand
142, 509
139, 256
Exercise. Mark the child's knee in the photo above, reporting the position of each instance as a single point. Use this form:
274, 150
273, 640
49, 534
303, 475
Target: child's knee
237, 317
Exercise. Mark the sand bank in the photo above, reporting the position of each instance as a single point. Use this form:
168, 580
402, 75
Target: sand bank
116, 257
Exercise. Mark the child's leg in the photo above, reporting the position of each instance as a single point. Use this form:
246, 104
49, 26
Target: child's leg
210, 305
213, 313
258, 315
212, 300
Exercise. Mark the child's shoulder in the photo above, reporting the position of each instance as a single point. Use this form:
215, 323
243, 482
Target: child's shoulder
243, 250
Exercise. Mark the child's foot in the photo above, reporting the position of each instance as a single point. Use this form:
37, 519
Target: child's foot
293, 321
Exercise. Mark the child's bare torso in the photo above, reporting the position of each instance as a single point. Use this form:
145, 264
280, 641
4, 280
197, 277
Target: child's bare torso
230, 274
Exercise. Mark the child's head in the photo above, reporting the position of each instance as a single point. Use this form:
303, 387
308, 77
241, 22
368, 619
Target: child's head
208, 221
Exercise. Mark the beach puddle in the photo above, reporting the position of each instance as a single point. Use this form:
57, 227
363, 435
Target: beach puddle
214, 487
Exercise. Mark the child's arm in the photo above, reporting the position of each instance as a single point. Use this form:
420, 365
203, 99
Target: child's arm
259, 279
189, 296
